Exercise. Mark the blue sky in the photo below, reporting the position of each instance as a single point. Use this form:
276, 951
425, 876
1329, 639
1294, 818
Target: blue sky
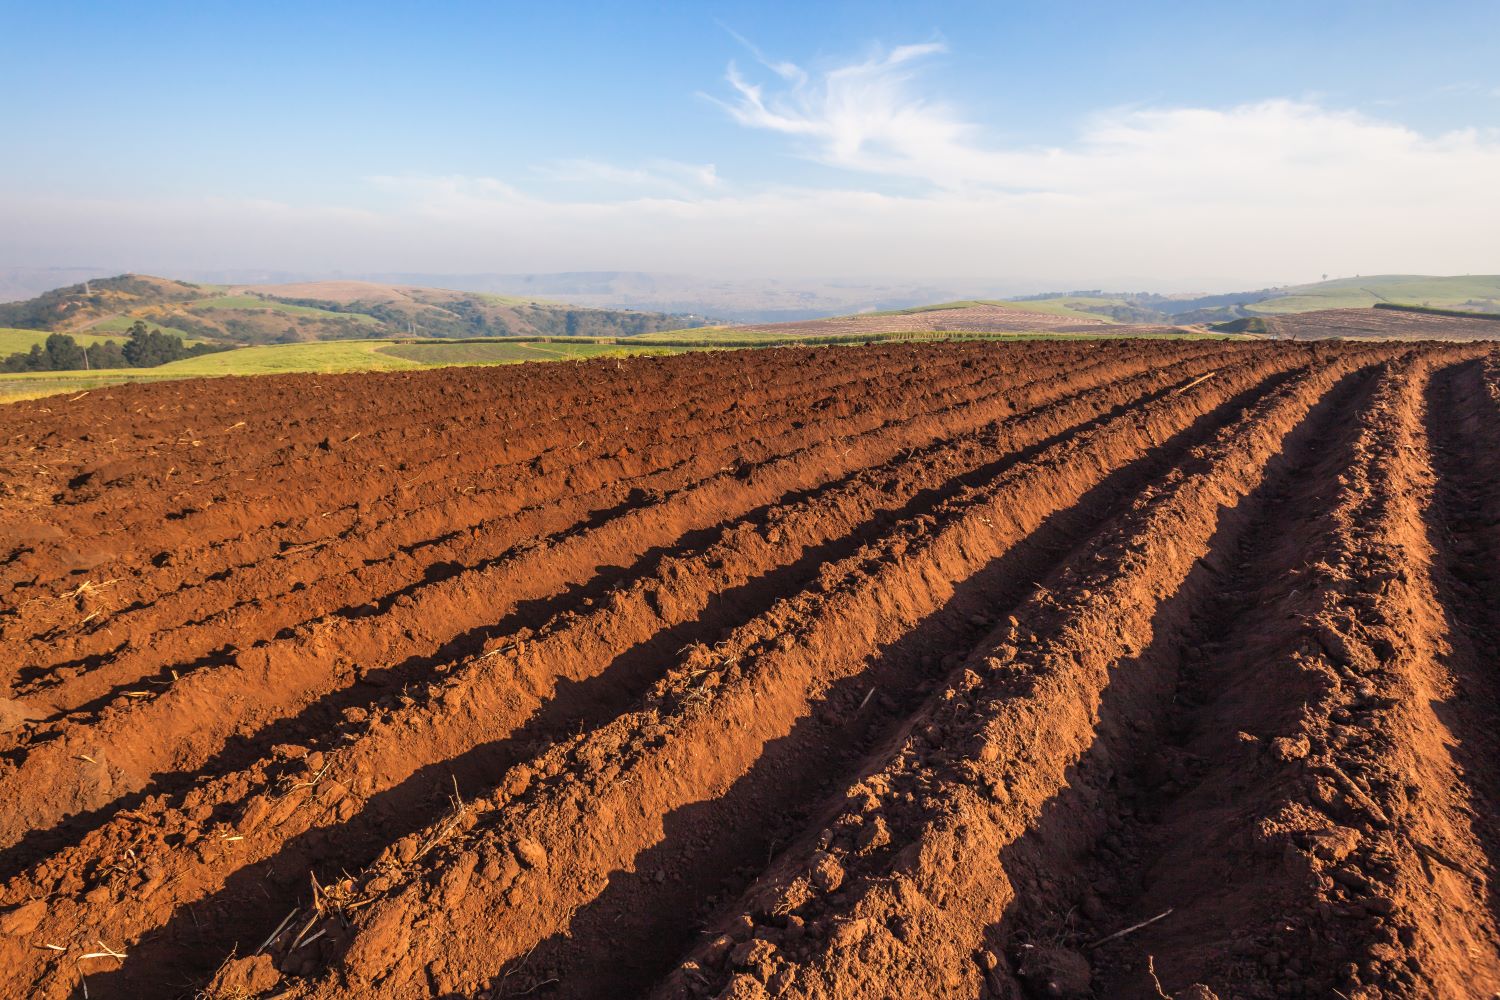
1034, 140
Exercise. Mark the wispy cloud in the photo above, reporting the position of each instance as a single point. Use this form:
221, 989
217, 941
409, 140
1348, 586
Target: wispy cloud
862, 115
787, 70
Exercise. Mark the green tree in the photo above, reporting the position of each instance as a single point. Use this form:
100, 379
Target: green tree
149, 348
107, 355
25, 361
63, 353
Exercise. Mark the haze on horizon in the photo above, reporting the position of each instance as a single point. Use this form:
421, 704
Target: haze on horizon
1029, 145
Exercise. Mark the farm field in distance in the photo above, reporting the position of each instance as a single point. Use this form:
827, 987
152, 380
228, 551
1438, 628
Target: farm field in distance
393, 355
325, 356
1074, 668
345, 325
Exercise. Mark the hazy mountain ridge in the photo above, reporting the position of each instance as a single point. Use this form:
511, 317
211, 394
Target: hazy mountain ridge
625, 303
261, 314
737, 300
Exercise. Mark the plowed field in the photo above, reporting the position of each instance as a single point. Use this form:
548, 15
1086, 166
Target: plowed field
1127, 669
1389, 324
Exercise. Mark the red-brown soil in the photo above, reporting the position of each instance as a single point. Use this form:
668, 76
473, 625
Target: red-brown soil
910, 671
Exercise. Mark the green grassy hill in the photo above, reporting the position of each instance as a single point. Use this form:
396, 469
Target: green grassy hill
271, 359
1478, 293
1096, 306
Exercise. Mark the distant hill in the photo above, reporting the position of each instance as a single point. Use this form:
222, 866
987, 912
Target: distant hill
76, 307
277, 309
1297, 313
1473, 293
733, 300
313, 311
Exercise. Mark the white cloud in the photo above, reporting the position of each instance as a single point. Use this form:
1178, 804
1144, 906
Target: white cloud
868, 117
1266, 191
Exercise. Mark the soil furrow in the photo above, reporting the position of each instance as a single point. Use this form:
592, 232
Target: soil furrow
893, 896
625, 939
602, 772
1181, 803
630, 632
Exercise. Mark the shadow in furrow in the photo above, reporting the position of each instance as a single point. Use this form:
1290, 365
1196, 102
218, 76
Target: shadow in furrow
1156, 813
633, 932
1463, 528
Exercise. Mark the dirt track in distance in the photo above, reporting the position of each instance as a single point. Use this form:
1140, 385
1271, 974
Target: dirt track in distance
848, 672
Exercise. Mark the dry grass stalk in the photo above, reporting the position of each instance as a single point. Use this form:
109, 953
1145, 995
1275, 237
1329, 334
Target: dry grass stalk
459, 810
1132, 928
107, 952
276, 933
303, 932
1197, 381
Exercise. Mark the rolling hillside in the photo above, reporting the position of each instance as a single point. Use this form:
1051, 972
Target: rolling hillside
1478, 293
1475, 293
313, 311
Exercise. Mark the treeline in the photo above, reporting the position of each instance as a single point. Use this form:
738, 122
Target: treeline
142, 348
1436, 311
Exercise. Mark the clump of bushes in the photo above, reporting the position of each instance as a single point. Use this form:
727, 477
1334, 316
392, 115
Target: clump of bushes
143, 348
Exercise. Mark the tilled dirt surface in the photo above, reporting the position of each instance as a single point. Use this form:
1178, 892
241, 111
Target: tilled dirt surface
1127, 669
1390, 324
